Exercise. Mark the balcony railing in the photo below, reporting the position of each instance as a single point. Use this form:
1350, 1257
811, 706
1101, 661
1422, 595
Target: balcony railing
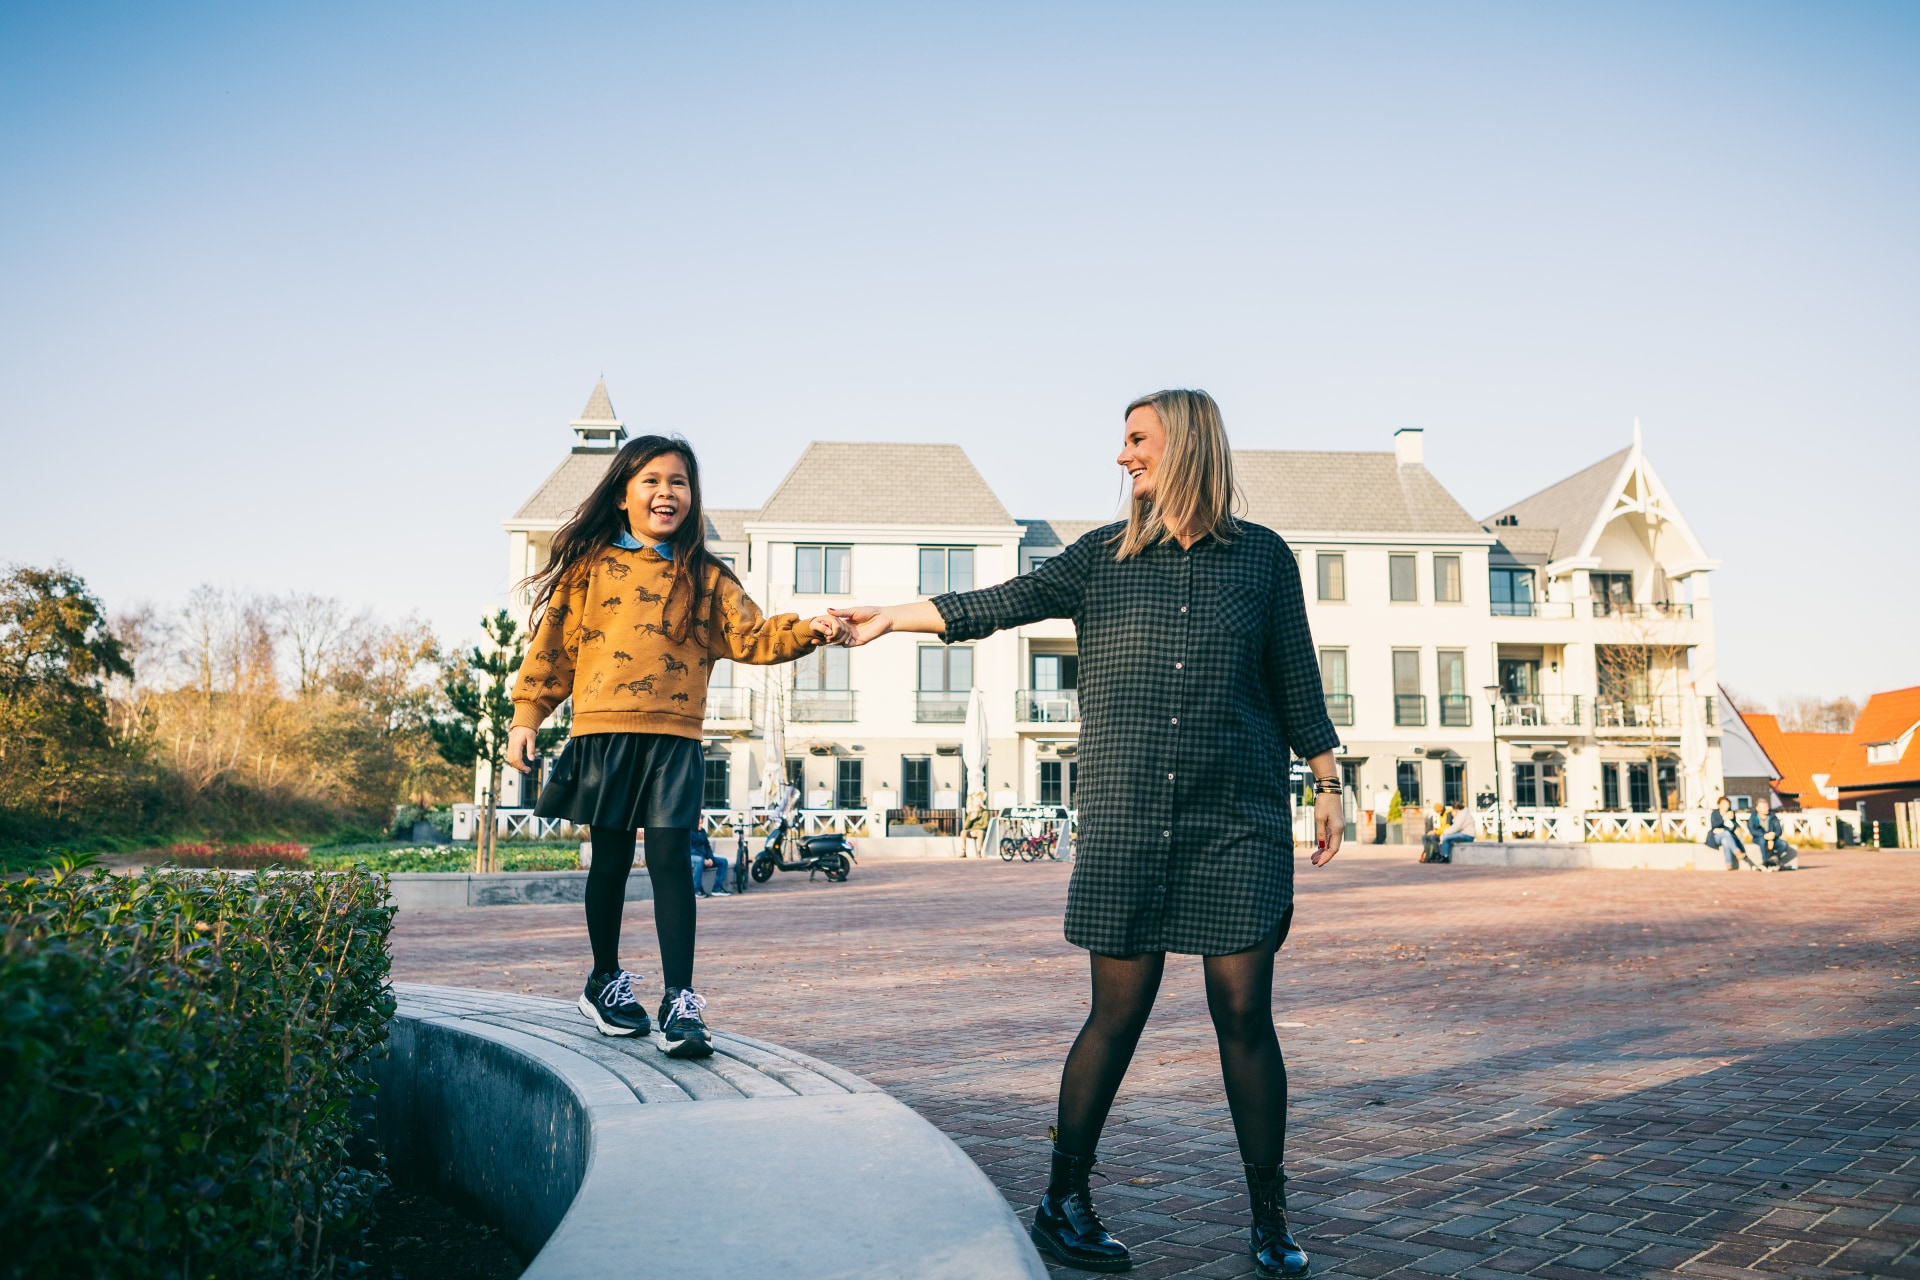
1409, 709
729, 704
1340, 708
1047, 706
941, 706
1628, 609
1538, 710
822, 706
1456, 711
1660, 711
1531, 608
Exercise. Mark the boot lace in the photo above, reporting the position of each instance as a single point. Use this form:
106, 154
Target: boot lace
619, 991
686, 1004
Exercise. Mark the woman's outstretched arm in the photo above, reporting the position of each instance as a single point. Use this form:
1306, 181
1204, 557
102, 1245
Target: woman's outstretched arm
870, 623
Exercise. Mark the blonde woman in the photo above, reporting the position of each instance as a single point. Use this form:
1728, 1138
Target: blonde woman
1197, 674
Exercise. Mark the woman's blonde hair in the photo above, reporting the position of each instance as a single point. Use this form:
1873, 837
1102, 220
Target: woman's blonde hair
1193, 486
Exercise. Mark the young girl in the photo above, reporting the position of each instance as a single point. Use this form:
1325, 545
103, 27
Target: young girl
631, 613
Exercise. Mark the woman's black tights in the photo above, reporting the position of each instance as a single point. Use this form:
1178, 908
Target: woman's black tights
1240, 998
670, 867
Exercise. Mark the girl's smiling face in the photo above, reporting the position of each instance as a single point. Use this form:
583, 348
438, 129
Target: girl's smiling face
657, 498
1141, 448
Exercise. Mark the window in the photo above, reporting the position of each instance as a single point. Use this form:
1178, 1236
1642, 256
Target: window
1520, 678
1610, 786
822, 669
1409, 704
1333, 575
1350, 776
1551, 776
849, 790
1333, 683
916, 782
1057, 778
945, 569
721, 676
1407, 778
1512, 592
797, 773
725, 560
823, 570
718, 793
1456, 706
1403, 578
1053, 672
1446, 579
1453, 783
1034, 562
1640, 788
1526, 785
1612, 592
946, 679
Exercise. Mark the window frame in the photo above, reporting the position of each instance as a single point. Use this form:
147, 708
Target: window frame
1401, 773
725, 766
1453, 783
907, 784
824, 659
1410, 562
1337, 562
948, 558
1513, 574
845, 768
1459, 583
823, 565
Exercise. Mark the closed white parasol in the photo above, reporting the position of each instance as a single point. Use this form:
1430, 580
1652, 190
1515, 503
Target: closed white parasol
973, 747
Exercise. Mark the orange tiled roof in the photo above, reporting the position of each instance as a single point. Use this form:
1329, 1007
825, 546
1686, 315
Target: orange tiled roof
1798, 756
1886, 716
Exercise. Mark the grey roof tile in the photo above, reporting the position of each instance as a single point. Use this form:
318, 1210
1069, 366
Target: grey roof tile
1056, 533
567, 487
1299, 490
1523, 545
1569, 507
599, 405
728, 524
911, 484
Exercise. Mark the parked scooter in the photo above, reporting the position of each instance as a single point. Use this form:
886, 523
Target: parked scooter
787, 849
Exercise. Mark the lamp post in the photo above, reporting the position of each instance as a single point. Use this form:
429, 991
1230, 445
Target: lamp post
1493, 732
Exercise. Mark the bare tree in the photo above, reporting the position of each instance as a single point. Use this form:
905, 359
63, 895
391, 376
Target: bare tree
315, 628
1746, 706
1641, 683
1802, 713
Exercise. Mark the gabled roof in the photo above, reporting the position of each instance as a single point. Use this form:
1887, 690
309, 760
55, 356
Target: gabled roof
1522, 545
1885, 718
599, 405
1569, 509
1742, 754
1056, 533
910, 484
1293, 491
1798, 756
567, 487
728, 524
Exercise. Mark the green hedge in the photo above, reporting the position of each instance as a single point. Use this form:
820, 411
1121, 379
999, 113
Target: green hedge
178, 1061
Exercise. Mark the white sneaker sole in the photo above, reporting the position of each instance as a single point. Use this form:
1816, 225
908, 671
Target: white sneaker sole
606, 1028
684, 1049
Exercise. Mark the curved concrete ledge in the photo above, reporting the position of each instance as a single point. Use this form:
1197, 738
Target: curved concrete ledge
787, 1165
418, 889
1623, 856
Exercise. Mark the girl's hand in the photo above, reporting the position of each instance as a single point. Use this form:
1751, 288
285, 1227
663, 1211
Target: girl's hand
1329, 826
830, 629
520, 748
865, 623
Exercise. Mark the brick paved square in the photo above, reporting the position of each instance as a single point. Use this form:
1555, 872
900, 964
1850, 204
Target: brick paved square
1497, 1073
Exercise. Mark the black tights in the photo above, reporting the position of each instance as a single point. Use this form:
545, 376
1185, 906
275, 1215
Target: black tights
670, 867
1240, 998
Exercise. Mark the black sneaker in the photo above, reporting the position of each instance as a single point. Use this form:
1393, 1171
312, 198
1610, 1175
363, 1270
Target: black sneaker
683, 1033
610, 1005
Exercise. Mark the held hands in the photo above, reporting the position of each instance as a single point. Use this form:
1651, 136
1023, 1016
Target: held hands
520, 748
1329, 826
829, 629
863, 623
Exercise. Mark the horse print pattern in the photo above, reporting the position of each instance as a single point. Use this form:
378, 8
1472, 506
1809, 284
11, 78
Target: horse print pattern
572, 652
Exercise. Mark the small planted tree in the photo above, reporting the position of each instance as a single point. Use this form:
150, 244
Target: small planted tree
473, 733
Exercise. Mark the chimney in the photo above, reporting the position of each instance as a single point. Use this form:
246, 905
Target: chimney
1406, 446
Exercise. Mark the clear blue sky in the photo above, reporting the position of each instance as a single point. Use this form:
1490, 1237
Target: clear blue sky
304, 296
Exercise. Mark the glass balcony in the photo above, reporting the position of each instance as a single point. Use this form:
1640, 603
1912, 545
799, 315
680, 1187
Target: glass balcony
1628, 609
941, 706
1456, 710
1661, 712
1340, 708
1409, 709
729, 704
1538, 710
1047, 706
821, 706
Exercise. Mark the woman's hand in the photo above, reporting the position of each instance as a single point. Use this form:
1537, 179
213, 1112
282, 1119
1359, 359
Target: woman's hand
830, 629
1329, 825
863, 623
520, 748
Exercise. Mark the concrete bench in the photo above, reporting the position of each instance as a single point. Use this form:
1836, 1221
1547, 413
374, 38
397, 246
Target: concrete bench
601, 1156
1623, 856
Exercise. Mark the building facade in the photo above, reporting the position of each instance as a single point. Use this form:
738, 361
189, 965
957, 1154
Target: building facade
1560, 652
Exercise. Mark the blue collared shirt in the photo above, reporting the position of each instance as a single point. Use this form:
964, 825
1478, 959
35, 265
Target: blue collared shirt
627, 542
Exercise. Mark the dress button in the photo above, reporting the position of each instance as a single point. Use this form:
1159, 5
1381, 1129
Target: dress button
1178, 665
1166, 835
1183, 608
1169, 777
1176, 720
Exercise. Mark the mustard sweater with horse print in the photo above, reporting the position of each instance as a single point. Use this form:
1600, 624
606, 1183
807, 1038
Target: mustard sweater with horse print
605, 641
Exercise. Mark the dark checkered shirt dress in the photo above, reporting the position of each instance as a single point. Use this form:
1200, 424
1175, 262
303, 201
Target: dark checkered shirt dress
1197, 672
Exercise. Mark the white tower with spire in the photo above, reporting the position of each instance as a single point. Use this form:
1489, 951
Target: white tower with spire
598, 427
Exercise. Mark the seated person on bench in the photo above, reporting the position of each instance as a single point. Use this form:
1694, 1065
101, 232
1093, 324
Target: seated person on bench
1769, 839
1723, 833
704, 857
1461, 830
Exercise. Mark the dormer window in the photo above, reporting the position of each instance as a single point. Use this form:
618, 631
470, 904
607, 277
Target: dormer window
1892, 751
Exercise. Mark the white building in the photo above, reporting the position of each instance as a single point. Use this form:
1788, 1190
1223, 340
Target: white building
1585, 608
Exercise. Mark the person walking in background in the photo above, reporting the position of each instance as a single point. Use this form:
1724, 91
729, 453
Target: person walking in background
703, 856
1770, 838
1197, 675
1723, 833
629, 615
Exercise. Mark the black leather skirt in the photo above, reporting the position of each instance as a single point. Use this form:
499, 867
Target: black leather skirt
627, 781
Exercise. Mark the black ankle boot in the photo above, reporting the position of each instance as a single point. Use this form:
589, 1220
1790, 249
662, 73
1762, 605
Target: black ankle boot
1065, 1224
1275, 1251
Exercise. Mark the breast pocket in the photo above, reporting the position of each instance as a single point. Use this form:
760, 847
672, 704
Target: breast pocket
1241, 613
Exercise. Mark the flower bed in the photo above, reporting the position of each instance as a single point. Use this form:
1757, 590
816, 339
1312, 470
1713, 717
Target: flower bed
179, 1056
447, 857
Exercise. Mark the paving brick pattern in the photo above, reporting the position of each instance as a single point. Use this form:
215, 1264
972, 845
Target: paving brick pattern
1495, 1073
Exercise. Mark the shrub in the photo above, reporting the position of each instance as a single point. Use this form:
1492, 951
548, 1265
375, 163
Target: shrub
178, 1056
238, 857
444, 857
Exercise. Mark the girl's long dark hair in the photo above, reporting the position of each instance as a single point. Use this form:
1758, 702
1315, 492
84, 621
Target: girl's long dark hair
598, 520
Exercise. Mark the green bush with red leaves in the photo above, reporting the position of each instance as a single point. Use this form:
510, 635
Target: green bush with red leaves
180, 1060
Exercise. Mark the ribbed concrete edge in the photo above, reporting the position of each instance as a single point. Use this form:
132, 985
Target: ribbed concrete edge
414, 890
560, 1152
1624, 856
